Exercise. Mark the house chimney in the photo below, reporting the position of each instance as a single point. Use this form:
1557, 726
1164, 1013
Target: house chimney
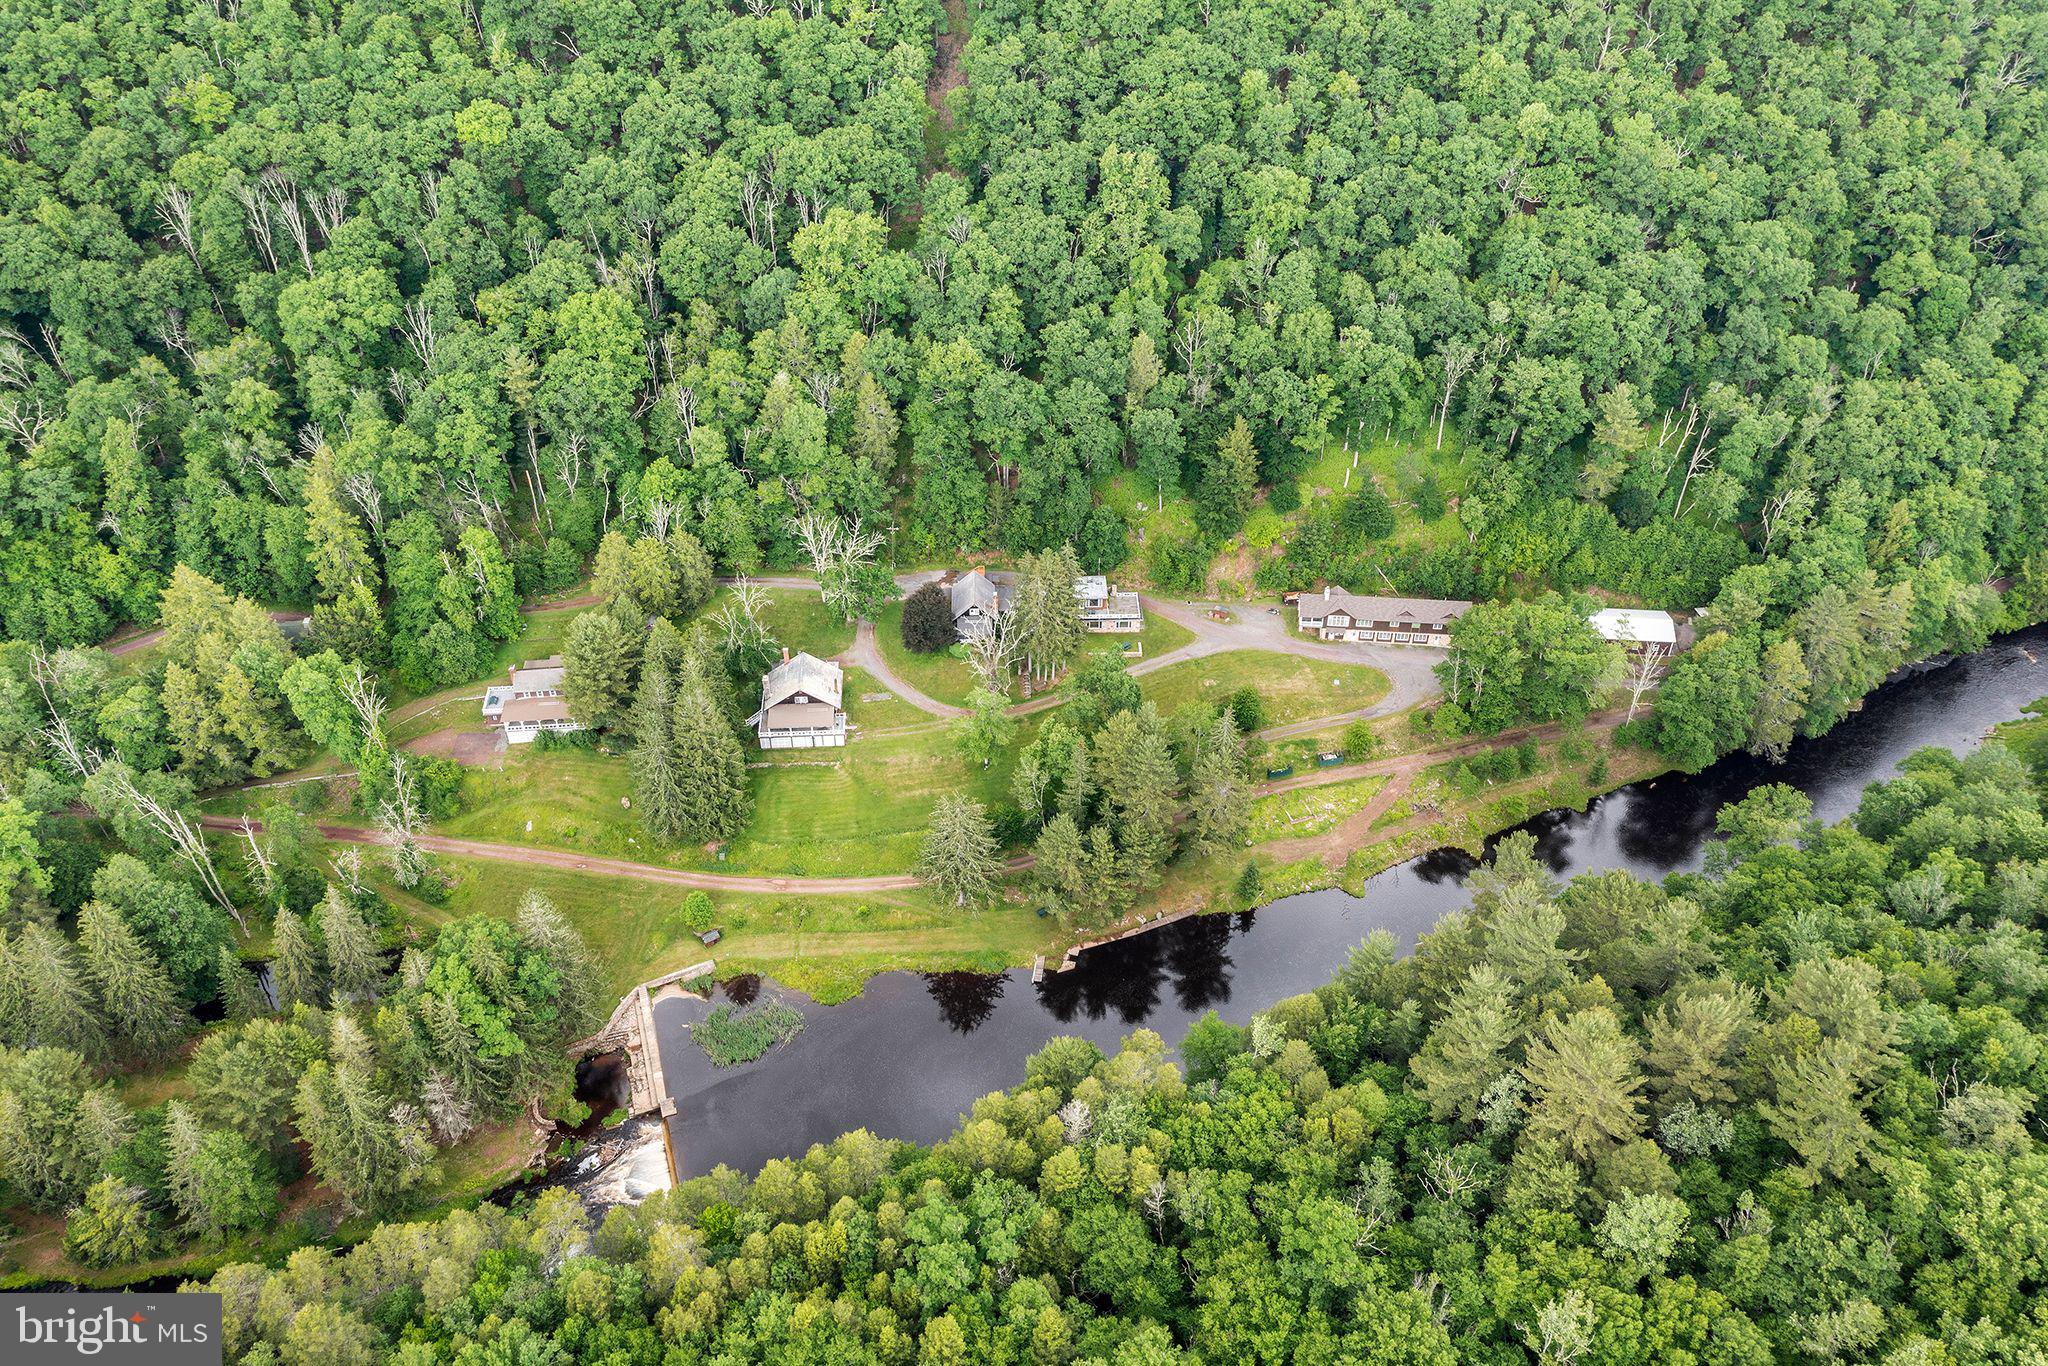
977, 570
1326, 592
785, 654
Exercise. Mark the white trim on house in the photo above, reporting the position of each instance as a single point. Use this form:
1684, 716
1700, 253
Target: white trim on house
1334, 614
800, 705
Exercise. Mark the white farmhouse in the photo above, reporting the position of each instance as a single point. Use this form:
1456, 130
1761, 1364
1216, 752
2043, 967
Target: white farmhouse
801, 704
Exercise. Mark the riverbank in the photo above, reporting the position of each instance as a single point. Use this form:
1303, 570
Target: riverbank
913, 1051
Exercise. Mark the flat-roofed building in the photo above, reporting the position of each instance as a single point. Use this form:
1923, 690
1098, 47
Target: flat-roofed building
1104, 610
529, 702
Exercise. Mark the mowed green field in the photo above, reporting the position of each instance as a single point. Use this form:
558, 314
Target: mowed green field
824, 945
859, 810
1294, 689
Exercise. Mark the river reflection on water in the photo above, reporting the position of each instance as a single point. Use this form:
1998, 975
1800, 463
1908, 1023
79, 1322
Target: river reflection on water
912, 1053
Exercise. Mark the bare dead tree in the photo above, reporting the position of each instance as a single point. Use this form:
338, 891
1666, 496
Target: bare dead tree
753, 202
183, 833
256, 209
400, 821
256, 860
284, 200
1698, 463
16, 358
661, 518
172, 334
837, 550
743, 618
685, 400
1458, 358
416, 325
1787, 507
1189, 343
25, 419
359, 690
823, 384
348, 871
361, 488
1645, 667
329, 210
56, 354
992, 651
568, 454
174, 213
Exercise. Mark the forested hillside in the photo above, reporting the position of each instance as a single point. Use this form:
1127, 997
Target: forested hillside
1782, 1110
377, 307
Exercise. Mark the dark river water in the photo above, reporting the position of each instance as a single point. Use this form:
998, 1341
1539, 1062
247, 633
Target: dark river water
913, 1052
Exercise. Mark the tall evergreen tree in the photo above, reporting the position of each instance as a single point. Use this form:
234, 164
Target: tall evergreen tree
1136, 770
1466, 1051
294, 962
710, 773
1061, 862
142, 1004
355, 965
57, 1006
579, 1008
111, 1225
1218, 804
368, 1146
240, 994
1229, 482
215, 1177
1583, 1080
600, 657
959, 856
657, 785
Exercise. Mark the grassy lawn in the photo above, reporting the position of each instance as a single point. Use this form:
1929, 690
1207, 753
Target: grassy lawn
1309, 810
797, 618
1294, 689
882, 715
2028, 738
1139, 506
824, 945
858, 810
940, 676
1158, 637
947, 679
1400, 464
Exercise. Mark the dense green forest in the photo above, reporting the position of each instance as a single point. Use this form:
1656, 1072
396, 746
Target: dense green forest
1785, 1108
384, 309
400, 315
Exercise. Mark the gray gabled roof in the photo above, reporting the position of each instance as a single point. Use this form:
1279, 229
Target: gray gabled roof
803, 673
1365, 607
974, 589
